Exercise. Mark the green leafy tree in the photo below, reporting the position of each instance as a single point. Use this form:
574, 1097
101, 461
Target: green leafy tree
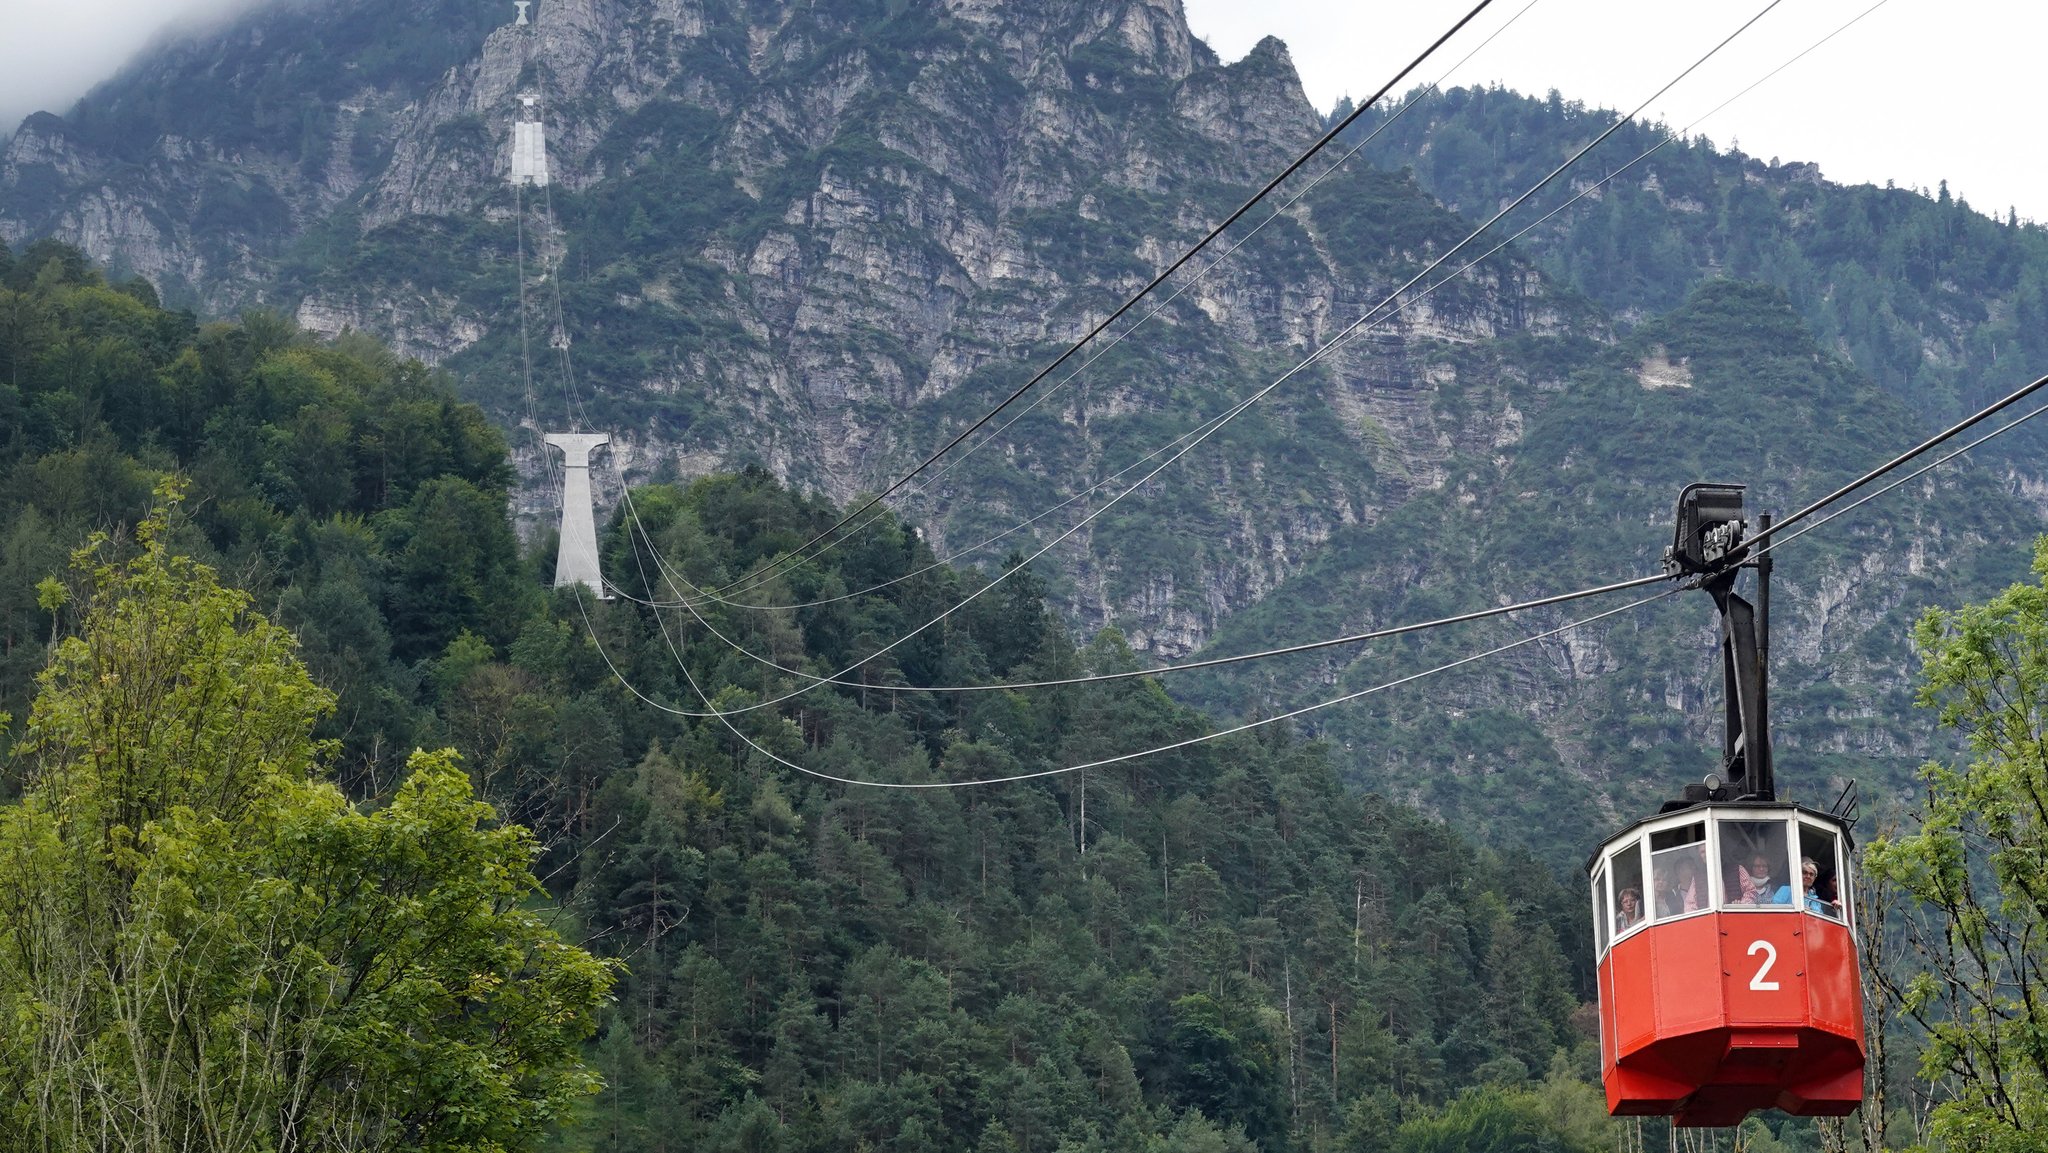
1489, 1120
205, 946
1977, 872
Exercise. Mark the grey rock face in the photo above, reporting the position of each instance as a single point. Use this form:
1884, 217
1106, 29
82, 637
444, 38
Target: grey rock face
824, 238
939, 202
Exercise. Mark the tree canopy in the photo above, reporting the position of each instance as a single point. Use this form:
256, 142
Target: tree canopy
204, 945
1977, 873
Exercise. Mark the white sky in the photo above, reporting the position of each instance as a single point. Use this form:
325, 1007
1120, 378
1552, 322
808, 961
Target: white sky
52, 51
1917, 92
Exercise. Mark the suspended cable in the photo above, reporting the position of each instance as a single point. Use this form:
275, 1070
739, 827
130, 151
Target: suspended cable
1951, 431
790, 560
1904, 480
725, 717
1314, 357
726, 720
1156, 281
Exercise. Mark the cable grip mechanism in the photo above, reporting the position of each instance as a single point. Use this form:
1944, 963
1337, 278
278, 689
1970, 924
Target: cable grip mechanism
1709, 541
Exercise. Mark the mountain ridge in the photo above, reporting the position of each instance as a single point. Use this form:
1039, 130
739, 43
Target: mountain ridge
824, 236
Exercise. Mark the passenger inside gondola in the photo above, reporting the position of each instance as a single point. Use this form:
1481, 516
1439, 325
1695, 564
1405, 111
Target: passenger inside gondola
1818, 848
1753, 881
1755, 854
1628, 910
1681, 887
1678, 870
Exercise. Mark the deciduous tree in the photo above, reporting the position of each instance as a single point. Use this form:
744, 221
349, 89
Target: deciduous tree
205, 946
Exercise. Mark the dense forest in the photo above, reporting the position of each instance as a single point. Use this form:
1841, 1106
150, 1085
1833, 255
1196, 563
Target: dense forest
1942, 303
1217, 948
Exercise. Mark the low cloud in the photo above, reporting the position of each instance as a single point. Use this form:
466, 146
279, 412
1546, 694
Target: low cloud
53, 53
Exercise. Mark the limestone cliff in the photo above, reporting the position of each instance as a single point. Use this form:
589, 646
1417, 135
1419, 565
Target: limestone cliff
823, 235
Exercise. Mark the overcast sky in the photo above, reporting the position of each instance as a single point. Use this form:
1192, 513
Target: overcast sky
52, 51
1918, 92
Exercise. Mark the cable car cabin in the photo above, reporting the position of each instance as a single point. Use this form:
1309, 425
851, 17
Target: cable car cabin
1728, 971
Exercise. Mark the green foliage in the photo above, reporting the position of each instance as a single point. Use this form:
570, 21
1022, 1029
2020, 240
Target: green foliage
1977, 872
815, 967
348, 490
206, 946
1931, 299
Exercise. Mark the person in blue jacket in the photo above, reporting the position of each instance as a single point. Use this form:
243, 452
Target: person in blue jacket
1808, 874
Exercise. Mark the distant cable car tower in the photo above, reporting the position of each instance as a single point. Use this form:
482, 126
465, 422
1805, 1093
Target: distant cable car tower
529, 145
576, 556
1723, 925
576, 561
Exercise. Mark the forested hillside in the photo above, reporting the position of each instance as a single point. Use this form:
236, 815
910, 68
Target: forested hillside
1943, 304
1233, 951
348, 489
820, 236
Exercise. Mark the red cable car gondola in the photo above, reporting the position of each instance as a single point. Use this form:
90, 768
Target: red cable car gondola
1728, 975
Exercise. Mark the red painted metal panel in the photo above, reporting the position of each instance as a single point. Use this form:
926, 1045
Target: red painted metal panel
1687, 971
1832, 981
1710, 1018
1635, 994
1763, 962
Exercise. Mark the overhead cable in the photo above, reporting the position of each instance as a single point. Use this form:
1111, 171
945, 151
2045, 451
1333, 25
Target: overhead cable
788, 561
1351, 331
725, 718
1951, 431
1770, 540
1321, 143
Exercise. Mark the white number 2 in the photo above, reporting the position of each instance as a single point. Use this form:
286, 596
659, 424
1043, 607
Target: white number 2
1770, 953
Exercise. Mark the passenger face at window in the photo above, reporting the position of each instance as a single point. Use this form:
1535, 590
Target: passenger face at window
1630, 909
1678, 887
1754, 880
1807, 872
1691, 889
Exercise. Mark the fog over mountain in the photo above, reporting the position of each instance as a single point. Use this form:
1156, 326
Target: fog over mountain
821, 237
791, 246
53, 53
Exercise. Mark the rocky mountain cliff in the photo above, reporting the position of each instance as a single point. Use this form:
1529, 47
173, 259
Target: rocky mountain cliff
823, 236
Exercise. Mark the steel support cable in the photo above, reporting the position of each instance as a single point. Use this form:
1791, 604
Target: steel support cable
1859, 502
1951, 431
725, 716
791, 560
1097, 486
1398, 630
726, 719
1338, 342
1156, 281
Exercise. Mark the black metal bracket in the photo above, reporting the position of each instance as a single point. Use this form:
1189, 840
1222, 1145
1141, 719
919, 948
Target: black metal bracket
1708, 541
